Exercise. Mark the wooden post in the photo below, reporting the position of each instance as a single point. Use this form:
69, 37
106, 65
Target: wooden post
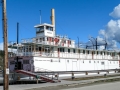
73, 76
5, 61
86, 73
37, 81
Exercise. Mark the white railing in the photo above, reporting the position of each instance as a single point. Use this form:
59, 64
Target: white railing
32, 40
68, 55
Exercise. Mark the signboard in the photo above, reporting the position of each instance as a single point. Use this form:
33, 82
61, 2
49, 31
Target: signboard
7, 70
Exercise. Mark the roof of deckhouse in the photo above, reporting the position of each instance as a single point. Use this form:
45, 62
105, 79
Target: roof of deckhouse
44, 24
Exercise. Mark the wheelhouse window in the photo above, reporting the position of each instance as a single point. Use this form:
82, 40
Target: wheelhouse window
40, 29
49, 28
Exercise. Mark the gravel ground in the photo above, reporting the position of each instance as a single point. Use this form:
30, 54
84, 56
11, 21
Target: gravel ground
75, 85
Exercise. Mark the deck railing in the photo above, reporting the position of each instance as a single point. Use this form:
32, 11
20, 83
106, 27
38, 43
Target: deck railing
48, 43
69, 55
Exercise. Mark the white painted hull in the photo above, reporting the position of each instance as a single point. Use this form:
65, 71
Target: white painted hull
62, 64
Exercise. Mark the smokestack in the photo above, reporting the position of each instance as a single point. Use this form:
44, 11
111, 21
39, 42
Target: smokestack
53, 16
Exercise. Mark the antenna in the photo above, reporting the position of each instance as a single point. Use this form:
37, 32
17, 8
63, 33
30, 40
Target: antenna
17, 32
40, 16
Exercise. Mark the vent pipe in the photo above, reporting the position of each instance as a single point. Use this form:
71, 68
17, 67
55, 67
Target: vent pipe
53, 20
53, 17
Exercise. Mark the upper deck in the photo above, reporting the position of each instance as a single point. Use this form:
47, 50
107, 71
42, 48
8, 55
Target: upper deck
47, 44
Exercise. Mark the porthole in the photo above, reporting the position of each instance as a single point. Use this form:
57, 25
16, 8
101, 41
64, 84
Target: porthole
68, 61
83, 61
51, 60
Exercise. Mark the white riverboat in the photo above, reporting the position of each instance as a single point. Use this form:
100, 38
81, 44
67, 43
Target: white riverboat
48, 51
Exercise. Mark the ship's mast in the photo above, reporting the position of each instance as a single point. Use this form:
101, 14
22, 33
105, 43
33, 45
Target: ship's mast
5, 61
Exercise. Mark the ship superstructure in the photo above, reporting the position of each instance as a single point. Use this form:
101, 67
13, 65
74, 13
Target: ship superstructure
48, 51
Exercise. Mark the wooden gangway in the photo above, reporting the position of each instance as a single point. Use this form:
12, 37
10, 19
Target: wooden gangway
37, 76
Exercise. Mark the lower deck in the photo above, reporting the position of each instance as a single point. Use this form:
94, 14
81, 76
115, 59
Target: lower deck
36, 64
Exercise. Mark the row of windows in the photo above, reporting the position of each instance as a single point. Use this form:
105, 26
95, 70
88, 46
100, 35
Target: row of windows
88, 52
102, 63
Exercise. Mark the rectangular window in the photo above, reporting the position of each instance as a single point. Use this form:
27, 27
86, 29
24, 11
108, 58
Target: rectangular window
113, 54
83, 51
61, 49
88, 52
25, 61
52, 39
12, 62
70, 42
102, 63
68, 50
104, 53
43, 39
47, 38
65, 41
89, 61
73, 50
97, 52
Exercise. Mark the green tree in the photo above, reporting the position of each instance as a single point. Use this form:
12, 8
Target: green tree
1, 59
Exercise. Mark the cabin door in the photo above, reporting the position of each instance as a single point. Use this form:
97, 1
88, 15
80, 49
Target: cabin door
74, 66
19, 65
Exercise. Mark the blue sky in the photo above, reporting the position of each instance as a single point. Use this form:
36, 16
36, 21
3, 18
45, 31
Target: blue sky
75, 18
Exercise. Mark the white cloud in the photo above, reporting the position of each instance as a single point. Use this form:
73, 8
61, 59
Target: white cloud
116, 12
112, 33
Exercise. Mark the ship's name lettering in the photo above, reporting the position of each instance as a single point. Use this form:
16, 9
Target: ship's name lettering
49, 32
42, 60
